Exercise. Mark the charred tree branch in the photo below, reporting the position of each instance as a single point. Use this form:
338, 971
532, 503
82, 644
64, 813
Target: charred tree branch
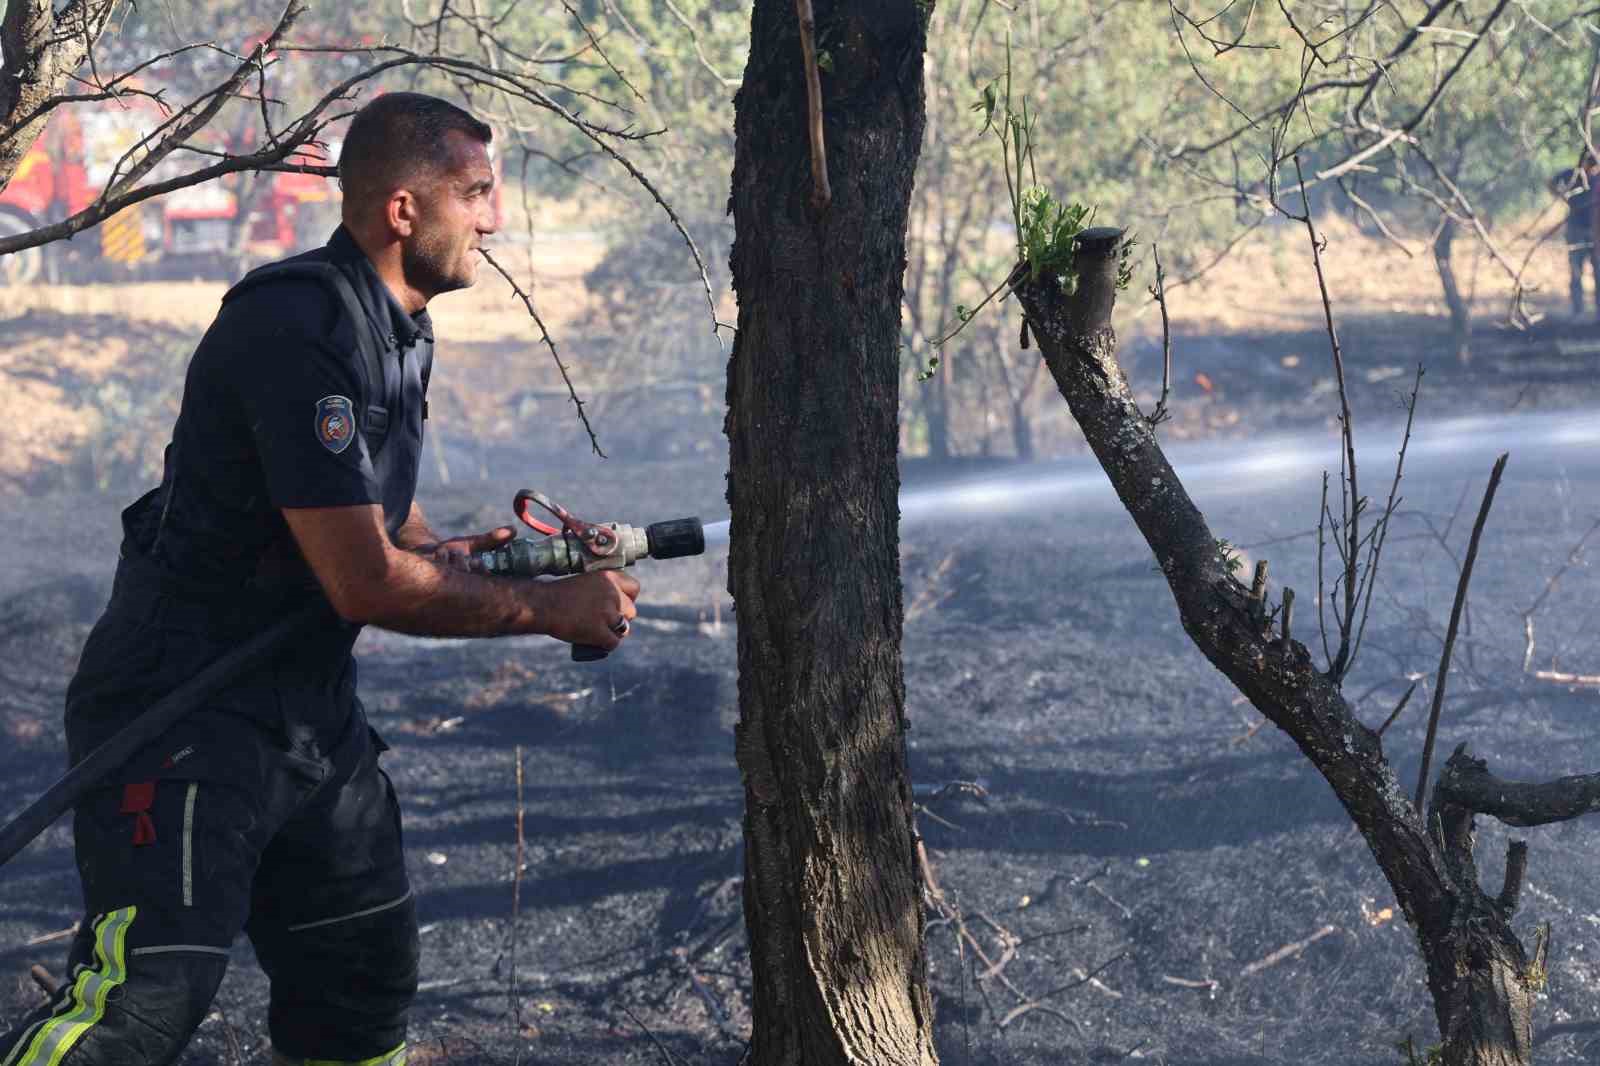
1466, 782
1479, 976
1455, 623
1079, 348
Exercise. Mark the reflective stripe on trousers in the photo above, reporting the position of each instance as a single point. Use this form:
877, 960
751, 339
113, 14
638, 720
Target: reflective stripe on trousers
85, 1004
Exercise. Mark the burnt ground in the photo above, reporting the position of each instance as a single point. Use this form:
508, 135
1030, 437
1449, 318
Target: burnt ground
1138, 829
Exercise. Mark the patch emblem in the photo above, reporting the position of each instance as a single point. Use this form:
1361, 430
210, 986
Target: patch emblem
336, 423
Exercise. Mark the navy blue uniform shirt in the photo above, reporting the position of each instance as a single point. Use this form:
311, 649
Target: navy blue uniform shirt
279, 411
266, 424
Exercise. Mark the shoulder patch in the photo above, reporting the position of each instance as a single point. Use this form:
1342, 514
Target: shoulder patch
336, 423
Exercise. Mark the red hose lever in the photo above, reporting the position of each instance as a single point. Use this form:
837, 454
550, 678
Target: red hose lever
598, 541
520, 505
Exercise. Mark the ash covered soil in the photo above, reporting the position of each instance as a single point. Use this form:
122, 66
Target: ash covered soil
1144, 854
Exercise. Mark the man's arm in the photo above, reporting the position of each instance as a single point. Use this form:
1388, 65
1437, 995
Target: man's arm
370, 580
458, 553
414, 533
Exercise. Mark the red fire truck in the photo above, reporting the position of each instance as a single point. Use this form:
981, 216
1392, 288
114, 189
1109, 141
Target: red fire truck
197, 230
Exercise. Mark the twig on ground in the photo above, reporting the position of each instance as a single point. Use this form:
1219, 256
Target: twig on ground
43, 979
1287, 951
50, 938
235, 1053
659, 1045
919, 808
932, 595
1103, 894
1573, 556
1210, 984
975, 789
1070, 930
697, 981
1575, 680
1455, 621
1087, 977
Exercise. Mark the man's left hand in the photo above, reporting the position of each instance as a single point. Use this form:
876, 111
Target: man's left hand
461, 553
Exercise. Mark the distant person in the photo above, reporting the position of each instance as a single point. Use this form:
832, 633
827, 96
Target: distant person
289, 480
1576, 186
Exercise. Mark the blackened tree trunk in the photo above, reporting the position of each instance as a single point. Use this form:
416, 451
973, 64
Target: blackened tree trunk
1482, 981
832, 891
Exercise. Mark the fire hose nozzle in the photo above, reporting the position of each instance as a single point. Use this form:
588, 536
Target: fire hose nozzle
563, 553
577, 546
676, 538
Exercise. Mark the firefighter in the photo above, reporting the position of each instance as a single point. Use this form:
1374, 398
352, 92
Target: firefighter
289, 477
1576, 186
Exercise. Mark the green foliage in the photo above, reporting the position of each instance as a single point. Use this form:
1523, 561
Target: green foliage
1047, 237
1230, 557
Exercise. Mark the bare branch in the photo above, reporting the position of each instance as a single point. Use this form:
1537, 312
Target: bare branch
1455, 621
1158, 292
1349, 492
527, 301
1466, 782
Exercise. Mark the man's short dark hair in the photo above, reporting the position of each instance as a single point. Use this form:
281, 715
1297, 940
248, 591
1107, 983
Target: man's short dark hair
398, 137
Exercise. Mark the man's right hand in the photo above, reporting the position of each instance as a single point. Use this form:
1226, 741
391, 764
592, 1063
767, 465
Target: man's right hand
587, 608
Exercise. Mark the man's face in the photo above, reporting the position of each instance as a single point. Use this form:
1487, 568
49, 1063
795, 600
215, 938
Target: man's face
454, 212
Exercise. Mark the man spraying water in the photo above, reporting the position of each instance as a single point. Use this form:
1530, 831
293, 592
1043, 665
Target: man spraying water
289, 483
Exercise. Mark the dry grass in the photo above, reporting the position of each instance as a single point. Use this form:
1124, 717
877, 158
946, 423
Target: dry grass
1268, 283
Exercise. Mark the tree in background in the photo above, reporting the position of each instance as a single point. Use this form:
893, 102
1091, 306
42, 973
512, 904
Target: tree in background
1425, 120
832, 889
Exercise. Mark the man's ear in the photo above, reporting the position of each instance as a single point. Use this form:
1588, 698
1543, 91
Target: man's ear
400, 212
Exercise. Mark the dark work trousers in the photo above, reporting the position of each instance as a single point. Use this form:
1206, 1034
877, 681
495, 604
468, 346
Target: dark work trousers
242, 818
1582, 254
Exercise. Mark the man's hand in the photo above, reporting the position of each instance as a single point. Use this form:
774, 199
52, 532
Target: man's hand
587, 608
461, 553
